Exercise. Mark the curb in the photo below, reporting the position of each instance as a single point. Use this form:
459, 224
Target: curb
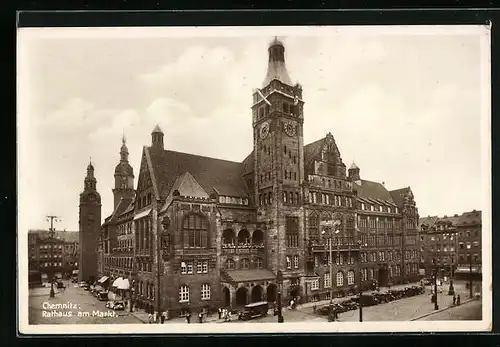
441, 310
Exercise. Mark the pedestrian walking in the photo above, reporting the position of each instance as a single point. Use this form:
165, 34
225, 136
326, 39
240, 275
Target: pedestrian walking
200, 317
219, 311
454, 299
150, 318
188, 318
162, 318
314, 308
458, 300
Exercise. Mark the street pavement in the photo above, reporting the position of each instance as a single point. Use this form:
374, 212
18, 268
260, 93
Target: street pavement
84, 308
471, 310
80, 307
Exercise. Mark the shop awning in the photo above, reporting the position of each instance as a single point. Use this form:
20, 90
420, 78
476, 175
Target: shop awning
117, 282
124, 284
142, 214
103, 279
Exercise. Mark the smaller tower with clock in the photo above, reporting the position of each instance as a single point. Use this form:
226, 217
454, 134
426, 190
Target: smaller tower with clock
89, 227
124, 176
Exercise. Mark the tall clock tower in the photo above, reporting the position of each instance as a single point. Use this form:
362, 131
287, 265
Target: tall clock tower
89, 227
278, 120
124, 176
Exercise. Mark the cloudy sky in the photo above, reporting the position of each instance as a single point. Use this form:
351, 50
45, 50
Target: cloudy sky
405, 105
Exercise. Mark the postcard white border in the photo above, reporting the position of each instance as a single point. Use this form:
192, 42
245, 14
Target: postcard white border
26, 34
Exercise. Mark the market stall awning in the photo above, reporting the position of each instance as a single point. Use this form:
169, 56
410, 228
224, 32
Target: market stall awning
124, 284
103, 279
117, 282
466, 270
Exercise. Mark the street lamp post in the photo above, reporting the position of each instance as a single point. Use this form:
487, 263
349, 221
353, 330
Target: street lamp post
360, 289
451, 290
280, 281
51, 235
470, 271
335, 224
436, 307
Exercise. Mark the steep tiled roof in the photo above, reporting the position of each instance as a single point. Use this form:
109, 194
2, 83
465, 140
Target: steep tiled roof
236, 276
186, 185
429, 221
471, 218
120, 209
398, 195
223, 176
312, 150
248, 164
373, 190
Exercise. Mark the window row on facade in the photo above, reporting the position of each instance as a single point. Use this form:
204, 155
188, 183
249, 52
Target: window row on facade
244, 263
332, 183
289, 264
192, 267
124, 229
127, 244
119, 262
47, 256
233, 200
144, 200
291, 198
243, 239
290, 175
292, 231
49, 246
379, 208
50, 264
330, 199
338, 258
143, 235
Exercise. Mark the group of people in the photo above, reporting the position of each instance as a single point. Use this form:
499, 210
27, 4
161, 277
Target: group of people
225, 314
155, 317
456, 299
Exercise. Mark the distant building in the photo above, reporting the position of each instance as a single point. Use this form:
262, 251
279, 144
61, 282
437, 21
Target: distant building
53, 253
203, 232
90, 227
447, 243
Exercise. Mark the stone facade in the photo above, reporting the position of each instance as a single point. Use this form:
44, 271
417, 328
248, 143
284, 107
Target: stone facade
210, 233
89, 228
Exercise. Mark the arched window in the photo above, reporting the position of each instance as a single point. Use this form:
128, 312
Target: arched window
184, 294
350, 277
243, 238
229, 264
205, 292
228, 238
340, 279
258, 238
195, 231
314, 227
245, 263
259, 264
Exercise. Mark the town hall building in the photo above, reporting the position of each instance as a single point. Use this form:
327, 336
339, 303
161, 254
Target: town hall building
199, 233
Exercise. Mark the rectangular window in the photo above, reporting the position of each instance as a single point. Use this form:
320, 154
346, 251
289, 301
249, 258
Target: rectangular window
189, 268
205, 292
183, 268
315, 285
288, 262
205, 266
296, 261
327, 280
292, 231
199, 267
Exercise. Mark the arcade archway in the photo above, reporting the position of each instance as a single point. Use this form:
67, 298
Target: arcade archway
271, 292
241, 296
226, 297
257, 294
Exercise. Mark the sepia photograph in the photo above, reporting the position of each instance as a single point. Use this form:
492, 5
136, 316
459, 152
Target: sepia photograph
254, 179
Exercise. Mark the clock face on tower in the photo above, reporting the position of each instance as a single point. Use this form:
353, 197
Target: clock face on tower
264, 130
289, 129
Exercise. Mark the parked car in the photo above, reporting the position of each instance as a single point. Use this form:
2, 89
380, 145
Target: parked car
427, 281
82, 284
254, 310
102, 295
118, 305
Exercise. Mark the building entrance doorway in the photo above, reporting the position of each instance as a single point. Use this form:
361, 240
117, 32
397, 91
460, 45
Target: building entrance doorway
241, 296
257, 294
271, 293
226, 297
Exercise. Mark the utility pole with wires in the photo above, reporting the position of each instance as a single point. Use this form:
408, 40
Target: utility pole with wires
52, 219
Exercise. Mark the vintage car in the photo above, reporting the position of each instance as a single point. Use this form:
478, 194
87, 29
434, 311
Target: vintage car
102, 295
254, 310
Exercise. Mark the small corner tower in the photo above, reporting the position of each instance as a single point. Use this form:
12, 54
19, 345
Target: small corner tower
124, 176
354, 172
89, 227
157, 138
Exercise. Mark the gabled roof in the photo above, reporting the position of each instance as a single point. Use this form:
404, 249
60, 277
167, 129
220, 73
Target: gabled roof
429, 221
398, 195
187, 186
373, 190
222, 176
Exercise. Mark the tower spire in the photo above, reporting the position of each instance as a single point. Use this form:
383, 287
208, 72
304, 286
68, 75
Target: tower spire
276, 68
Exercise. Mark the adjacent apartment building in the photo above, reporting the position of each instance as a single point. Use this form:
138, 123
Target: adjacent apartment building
53, 253
201, 232
452, 244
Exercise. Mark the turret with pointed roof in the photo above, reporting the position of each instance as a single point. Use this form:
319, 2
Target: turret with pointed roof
276, 68
124, 176
157, 138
